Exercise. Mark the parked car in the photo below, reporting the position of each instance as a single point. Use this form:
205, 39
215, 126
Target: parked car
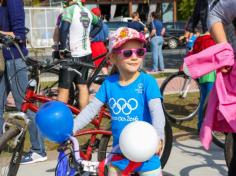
173, 31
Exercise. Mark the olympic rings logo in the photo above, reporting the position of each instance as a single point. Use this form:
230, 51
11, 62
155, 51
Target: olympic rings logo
121, 105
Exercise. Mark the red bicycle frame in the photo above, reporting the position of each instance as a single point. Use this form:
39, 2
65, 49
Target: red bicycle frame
29, 104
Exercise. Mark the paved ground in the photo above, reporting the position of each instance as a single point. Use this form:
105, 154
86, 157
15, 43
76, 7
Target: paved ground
187, 158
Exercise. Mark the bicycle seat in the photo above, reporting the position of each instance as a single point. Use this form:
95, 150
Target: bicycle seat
99, 79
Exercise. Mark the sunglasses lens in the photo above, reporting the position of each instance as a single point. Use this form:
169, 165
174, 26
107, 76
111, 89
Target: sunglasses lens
127, 53
140, 52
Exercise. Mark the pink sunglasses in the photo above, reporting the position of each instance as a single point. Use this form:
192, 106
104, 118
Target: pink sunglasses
126, 53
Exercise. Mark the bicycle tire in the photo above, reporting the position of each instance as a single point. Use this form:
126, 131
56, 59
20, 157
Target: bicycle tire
12, 168
218, 138
228, 149
105, 142
177, 105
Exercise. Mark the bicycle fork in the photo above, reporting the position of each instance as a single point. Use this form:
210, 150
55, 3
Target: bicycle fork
185, 87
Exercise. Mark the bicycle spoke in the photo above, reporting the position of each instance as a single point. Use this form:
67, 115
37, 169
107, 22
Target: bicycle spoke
181, 97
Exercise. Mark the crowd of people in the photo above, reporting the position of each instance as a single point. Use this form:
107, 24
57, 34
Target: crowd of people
83, 34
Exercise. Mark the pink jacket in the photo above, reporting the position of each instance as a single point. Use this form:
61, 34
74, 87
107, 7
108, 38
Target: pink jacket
221, 108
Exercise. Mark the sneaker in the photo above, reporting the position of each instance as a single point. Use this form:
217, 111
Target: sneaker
33, 157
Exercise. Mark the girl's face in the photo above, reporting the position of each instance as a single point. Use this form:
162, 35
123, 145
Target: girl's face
129, 57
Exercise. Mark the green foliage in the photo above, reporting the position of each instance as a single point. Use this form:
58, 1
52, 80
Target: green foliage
185, 9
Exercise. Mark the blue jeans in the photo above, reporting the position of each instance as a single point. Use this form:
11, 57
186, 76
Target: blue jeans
15, 79
205, 89
157, 56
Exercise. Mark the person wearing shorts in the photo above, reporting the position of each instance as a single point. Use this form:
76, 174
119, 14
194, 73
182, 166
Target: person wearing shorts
75, 38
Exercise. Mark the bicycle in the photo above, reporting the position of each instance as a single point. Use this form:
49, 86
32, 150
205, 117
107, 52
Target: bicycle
181, 96
184, 90
70, 161
33, 100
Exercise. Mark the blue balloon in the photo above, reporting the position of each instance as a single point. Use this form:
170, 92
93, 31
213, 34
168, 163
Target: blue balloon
55, 121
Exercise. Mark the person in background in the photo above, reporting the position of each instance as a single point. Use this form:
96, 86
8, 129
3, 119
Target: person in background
56, 30
136, 23
75, 33
191, 40
55, 46
199, 15
207, 81
157, 32
131, 87
98, 43
15, 77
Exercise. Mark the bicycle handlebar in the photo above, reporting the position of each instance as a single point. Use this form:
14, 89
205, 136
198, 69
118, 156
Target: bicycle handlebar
48, 65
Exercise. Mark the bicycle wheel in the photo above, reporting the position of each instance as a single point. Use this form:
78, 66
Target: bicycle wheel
181, 97
67, 166
10, 153
105, 145
217, 137
229, 148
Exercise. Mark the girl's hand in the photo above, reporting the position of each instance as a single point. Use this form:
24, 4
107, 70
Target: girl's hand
226, 69
160, 147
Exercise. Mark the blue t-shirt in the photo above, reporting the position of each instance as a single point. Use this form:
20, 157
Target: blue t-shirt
156, 24
127, 104
136, 25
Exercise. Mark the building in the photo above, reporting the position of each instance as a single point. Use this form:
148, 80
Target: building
41, 31
116, 8
123, 8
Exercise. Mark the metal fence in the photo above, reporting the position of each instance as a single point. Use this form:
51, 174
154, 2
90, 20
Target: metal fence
41, 21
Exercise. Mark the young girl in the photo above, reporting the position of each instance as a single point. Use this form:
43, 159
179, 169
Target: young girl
130, 94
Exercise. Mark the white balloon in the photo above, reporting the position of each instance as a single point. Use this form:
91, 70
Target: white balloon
139, 141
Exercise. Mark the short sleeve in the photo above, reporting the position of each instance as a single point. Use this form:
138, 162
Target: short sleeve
152, 89
102, 93
221, 11
68, 13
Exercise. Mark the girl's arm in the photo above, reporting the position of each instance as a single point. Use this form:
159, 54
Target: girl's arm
158, 117
87, 114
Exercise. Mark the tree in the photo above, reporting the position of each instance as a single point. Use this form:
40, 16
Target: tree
185, 9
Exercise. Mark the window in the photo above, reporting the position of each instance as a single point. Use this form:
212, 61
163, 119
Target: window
41, 22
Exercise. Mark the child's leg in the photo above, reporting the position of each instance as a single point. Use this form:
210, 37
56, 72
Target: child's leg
157, 172
113, 171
